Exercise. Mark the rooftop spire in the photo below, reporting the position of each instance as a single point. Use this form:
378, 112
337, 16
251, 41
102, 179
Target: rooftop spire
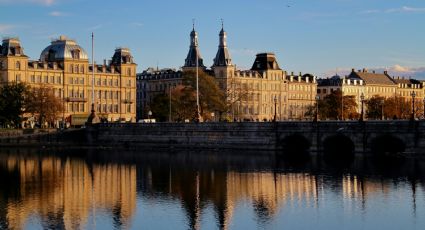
193, 50
223, 57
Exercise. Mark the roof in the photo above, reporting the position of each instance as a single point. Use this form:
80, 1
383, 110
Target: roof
63, 48
265, 61
403, 80
372, 78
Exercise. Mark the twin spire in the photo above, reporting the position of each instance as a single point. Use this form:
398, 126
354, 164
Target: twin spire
222, 57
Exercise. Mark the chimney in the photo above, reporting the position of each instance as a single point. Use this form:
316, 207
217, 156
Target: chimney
352, 70
104, 62
373, 71
299, 78
292, 78
385, 72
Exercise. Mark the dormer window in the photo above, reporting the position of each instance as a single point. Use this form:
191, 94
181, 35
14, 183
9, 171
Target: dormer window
51, 55
75, 54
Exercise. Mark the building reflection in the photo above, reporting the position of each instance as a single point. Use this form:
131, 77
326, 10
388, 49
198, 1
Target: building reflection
65, 193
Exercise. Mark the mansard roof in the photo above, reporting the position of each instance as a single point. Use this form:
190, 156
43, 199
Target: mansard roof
265, 61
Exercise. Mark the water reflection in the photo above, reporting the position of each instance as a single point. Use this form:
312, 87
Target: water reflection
213, 190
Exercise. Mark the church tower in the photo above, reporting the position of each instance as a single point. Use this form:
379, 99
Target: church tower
223, 68
194, 54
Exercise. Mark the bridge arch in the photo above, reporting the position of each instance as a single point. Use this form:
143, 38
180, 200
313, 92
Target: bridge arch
338, 147
387, 145
295, 146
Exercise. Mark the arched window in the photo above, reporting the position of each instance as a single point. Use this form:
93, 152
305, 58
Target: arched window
18, 65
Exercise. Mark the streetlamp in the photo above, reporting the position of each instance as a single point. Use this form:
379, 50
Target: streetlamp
362, 112
413, 94
424, 107
149, 115
275, 111
316, 116
382, 109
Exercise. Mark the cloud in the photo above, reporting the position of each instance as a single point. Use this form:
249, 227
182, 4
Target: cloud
40, 2
4, 28
404, 9
138, 24
58, 14
244, 52
96, 27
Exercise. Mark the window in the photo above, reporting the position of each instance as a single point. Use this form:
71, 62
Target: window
75, 54
52, 79
46, 79
32, 78
18, 65
81, 107
129, 71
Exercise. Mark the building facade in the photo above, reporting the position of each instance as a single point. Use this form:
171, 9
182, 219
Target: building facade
64, 67
259, 94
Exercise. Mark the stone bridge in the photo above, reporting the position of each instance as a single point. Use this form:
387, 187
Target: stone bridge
334, 137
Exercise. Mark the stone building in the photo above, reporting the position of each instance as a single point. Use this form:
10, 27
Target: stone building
64, 67
152, 82
301, 95
371, 84
256, 94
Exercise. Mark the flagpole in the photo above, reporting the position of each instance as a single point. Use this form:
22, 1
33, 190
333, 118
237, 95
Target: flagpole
92, 119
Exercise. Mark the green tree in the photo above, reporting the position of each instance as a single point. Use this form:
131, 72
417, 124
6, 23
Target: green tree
12, 103
160, 107
211, 98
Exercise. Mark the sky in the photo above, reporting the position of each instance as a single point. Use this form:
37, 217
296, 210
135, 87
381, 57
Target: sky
315, 36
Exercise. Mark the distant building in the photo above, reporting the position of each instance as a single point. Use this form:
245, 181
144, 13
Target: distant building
64, 67
152, 82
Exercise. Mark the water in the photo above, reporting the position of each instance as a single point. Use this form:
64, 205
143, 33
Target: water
98, 189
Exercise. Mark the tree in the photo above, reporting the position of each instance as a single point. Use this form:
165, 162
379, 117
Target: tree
44, 104
375, 107
334, 106
211, 98
160, 107
12, 103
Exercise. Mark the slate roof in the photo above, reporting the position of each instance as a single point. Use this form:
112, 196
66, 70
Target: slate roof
372, 78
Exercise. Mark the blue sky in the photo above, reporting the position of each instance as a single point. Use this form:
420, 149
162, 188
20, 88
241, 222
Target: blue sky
316, 36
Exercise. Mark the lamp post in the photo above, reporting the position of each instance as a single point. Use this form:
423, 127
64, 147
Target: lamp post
382, 109
424, 107
362, 111
149, 115
413, 94
316, 116
275, 111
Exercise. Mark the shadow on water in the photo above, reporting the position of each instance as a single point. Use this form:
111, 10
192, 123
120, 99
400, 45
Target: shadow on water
295, 150
338, 151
